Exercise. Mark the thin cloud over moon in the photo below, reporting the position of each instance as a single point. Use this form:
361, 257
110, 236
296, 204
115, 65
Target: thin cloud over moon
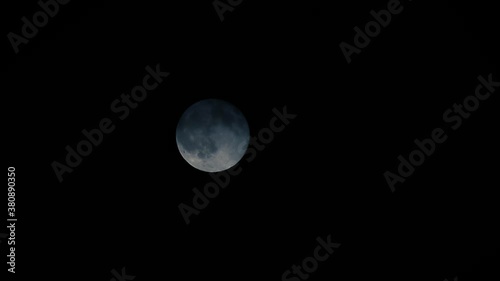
212, 135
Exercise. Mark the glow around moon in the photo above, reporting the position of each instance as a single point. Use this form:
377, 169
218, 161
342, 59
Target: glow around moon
212, 135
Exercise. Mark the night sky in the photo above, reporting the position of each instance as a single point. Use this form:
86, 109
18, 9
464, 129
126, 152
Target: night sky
93, 102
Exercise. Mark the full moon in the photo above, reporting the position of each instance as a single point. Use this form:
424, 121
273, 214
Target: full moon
212, 135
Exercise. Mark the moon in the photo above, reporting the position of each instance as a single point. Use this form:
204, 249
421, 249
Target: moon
212, 135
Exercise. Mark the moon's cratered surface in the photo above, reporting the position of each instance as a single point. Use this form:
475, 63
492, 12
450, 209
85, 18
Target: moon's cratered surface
212, 135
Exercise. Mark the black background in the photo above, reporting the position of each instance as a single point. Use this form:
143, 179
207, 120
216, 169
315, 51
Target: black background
322, 175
